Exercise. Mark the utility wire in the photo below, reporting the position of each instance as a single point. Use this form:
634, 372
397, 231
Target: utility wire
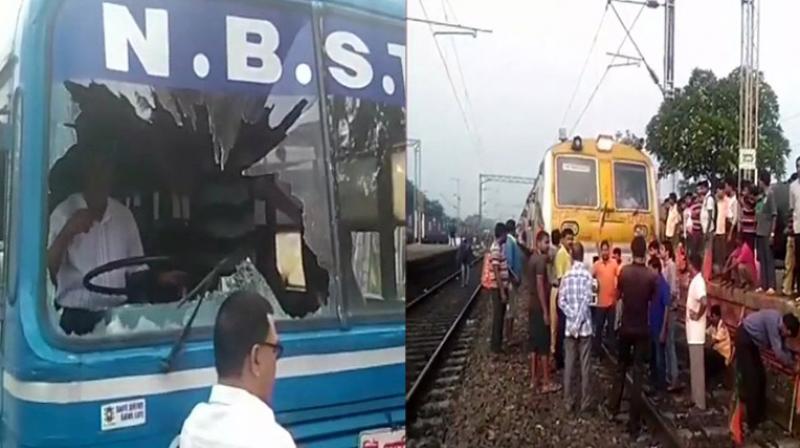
608, 67
628, 34
470, 109
447, 71
585, 64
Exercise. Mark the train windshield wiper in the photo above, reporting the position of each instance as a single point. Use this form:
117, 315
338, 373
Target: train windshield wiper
225, 263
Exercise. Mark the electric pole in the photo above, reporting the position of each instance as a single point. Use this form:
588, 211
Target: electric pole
749, 87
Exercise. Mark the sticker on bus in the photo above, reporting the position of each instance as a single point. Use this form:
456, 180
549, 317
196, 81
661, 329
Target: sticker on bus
123, 414
383, 438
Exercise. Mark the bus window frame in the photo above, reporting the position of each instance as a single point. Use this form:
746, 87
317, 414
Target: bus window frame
338, 320
647, 186
596, 178
377, 316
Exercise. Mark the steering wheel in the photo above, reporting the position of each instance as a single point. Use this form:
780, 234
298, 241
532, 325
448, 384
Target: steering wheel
119, 264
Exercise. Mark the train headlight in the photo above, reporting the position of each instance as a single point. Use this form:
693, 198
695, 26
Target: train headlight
572, 225
577, 144
640, 231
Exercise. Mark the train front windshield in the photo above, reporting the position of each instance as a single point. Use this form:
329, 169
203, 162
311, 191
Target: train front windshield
186, 161
631, 190
576, 182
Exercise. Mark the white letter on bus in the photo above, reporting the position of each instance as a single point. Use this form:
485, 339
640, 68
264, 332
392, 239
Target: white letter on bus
352, 59
150, 46
240, 50
398, 51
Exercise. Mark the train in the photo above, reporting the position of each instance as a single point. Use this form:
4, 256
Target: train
600, 188
257, 145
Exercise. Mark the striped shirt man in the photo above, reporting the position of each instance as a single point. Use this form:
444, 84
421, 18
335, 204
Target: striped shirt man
696, 211
748, 220
498, 258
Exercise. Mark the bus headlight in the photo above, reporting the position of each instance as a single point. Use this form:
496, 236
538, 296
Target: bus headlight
572, 225
640, 231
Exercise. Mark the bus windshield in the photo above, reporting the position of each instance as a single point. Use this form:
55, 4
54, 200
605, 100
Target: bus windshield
630, 186
191, 159
576, 182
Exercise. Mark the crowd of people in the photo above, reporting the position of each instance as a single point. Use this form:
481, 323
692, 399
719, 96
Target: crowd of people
576, 309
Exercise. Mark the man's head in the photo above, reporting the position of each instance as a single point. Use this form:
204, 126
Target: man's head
672, 199
511, 227
764, 179
639, 248
567, 238
702, 188
720, 191
695, 263
500, 232
714, 315
98, 175
653, 249
605, 250
655, 264
797, 165
555, 237
577, 251
617, 254
246, 346
789, 326
542, 242
666, 252
730, 186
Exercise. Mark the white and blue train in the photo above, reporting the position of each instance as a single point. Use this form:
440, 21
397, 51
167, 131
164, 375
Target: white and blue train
257, 144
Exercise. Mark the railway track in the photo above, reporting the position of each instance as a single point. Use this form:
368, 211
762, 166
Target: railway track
438, 338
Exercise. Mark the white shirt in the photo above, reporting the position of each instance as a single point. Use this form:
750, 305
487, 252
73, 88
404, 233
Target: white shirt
114, 237
673, 219
233, 418
733, 209
709, 207
695, 329
687, 221
794, 203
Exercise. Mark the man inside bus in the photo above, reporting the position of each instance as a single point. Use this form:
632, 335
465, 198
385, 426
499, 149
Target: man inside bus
87, 230
246, 352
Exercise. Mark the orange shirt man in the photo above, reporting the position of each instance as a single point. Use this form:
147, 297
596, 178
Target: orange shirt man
605, 270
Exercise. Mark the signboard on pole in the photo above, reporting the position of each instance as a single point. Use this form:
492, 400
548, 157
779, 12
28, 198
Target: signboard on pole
747, 159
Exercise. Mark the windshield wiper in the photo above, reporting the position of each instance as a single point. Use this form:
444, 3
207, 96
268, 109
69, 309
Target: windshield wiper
226, 263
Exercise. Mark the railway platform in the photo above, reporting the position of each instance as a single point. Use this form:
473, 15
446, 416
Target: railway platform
426, 264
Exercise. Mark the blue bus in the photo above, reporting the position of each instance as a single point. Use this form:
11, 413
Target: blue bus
256, 144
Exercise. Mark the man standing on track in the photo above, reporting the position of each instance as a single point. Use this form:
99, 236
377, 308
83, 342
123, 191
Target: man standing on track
562, 264
513, 255
498, 281
696, 330
465, 257
537, 287
574, 299
637, 288
605, 270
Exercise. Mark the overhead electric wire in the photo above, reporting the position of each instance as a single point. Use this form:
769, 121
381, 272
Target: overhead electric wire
608, 67
470, 109
585, 64
641, 55
447, 72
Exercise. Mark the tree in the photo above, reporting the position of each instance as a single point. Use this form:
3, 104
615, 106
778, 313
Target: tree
696, 132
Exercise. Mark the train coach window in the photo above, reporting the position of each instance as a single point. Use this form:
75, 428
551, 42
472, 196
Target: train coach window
576, 182
631, 186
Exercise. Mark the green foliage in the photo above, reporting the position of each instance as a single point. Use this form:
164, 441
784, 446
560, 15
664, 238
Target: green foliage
697, 131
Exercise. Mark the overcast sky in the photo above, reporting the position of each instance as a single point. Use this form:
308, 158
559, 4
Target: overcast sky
520, 78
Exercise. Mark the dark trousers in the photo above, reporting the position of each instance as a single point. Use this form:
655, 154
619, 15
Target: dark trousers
79, 321
498, 314
658, 364
750, 239
561, 329
715, 368
720, 254
632, 357
796, 269
767, 261
603, 320
750, 369
696, 244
